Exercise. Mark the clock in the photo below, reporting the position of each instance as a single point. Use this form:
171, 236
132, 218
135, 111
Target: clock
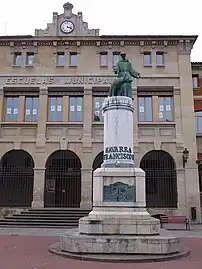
67, 27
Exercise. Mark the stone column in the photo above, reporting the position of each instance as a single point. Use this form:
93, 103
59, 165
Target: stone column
118, 132
38, 193
178, 115
86, 171
39, 171
2, 107
188, 127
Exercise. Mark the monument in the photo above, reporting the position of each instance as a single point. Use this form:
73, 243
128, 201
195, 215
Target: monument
119, 227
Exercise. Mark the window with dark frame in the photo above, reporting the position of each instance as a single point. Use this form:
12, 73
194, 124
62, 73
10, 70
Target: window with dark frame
31, 109
198, 116
11, 108
17, 61
195, 81
156, 108
159, 58
115, 58
55, 108
60, 58
30, 58
103, 59
75, 108
73, 59
97, 108
147, 58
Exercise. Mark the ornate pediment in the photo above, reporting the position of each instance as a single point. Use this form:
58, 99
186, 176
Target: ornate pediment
67, 24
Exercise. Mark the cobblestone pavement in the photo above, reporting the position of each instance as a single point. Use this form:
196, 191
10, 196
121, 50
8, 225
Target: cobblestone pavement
30, 251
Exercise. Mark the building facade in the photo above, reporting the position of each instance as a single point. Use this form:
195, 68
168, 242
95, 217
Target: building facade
51, 134
197, 90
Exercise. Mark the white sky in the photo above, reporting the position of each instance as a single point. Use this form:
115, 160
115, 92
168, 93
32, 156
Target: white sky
132, 17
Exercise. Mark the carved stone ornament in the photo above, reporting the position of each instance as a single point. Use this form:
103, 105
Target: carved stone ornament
119, 192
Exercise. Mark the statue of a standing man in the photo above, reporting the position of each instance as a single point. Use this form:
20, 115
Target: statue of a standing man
122, 85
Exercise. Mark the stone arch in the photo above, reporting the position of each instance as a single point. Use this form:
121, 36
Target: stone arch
161, 179
17, 179
98, 161
62, 180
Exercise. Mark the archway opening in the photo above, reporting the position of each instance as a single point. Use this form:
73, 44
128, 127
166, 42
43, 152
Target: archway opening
98, 161
161, 179
62, 180
17, 179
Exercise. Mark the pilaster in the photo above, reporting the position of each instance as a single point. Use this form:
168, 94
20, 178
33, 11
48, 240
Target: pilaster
38, 190
86, 171
188, 127
1, 103
87, 117
42, 116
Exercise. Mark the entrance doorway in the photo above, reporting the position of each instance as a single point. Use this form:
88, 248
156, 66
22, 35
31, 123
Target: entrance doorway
161, 179
63, 180
16, 179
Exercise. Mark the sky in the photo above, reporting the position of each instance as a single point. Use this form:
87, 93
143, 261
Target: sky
128, 17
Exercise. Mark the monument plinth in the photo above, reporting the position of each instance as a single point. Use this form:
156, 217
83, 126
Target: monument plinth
119, 222
119, 205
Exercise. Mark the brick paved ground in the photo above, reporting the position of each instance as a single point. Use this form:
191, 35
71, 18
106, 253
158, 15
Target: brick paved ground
31, 252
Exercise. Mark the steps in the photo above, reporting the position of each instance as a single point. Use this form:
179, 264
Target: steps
45, 218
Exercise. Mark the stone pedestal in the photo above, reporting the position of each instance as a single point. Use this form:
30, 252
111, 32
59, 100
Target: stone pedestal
119, 204
118, 132
119, 222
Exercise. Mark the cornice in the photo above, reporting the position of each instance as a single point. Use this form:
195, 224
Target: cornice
196, 65
138, 40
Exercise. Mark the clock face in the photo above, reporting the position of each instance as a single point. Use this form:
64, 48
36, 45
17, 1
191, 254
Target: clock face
67, 27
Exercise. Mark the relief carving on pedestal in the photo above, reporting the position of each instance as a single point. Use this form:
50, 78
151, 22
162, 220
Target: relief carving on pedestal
119, 192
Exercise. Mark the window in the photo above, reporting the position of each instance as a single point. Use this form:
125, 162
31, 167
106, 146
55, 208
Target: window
195, 81
17, 59
75, 108
30, 58
31, 109
103, 59
55, 109
155, 108
11, 108
73, 59
159, 58
147, 58
145, 108
164, 108
115, 58
60, 59
97, 109
198, 116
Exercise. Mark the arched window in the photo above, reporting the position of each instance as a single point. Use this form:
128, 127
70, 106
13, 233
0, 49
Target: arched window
16, 179
62, 180
161, 179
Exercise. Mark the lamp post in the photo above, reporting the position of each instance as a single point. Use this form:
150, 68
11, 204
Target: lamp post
185, 156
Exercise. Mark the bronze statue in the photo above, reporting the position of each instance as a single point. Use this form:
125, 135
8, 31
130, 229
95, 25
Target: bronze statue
122, 85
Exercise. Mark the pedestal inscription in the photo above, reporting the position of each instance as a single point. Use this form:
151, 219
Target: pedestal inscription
119, 192
118, 153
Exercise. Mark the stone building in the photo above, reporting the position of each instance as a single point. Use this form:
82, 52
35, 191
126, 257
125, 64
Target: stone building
51, 133
197, 90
